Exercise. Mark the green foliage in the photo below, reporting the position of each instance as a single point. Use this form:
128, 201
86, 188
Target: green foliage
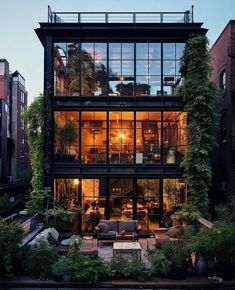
89, 270
226, 212
187, 212
133, 268
160, 264
39, 259
10, 237
216, 242
62, 267
175, 252
200, 96
34, 118
37, 199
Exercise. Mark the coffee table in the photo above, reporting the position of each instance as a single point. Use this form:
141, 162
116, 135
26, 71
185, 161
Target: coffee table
127, 249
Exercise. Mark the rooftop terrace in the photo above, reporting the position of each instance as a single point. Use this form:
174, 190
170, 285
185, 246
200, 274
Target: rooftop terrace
120, 17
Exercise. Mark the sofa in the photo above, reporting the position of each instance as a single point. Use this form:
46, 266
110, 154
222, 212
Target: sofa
107, 230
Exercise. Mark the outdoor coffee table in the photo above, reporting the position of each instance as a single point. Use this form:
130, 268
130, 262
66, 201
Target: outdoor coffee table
127, 249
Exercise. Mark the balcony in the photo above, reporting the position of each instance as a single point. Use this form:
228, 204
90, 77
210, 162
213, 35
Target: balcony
120, 17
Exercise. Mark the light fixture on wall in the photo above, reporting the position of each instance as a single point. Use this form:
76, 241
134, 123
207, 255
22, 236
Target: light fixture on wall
76, 181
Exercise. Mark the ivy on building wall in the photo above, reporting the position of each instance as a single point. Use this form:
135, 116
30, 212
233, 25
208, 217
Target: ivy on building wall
201, 97
34, 118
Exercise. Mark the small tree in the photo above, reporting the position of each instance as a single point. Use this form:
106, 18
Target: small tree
200, 97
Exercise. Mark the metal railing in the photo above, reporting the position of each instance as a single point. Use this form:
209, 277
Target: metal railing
120, 17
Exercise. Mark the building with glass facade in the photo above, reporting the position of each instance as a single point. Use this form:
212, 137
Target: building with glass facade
116, 135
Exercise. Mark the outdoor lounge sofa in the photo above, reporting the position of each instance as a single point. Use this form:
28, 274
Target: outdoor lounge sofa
109, 230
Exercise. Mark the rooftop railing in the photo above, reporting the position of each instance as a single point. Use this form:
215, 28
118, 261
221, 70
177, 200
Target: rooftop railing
120, 17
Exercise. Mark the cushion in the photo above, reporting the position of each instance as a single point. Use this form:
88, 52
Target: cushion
53, 232
104, 227
174, 232
110, 235
51, 240
113, 224
122, 232
128, 226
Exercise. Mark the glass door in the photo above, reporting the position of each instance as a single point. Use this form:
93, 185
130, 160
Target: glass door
93, 201
148, 204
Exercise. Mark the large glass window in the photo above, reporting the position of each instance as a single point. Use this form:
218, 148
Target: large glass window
172, 54
174, 136
93, 137
81, 69
121, 69
148, 137
148, 69
121, 198
66, 137
121, 137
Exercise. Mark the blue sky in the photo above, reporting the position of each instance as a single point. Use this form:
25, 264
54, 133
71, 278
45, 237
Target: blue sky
18, 19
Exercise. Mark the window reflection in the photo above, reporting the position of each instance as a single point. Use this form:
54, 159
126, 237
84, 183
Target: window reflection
66, 137
174, 136
81, 69
121, 137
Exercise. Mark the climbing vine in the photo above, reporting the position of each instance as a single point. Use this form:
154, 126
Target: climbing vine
200, 96
34, 118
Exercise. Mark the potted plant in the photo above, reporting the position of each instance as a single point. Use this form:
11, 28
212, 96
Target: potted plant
176, 253
187, 214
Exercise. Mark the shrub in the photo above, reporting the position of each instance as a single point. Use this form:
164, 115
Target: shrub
128, 268
89, 270
40, 259
160, 264
10, 238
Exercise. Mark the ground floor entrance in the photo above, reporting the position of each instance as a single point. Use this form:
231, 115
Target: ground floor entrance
149, 200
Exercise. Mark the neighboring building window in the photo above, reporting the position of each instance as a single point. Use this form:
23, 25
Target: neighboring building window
117, 69
223, 129
222, 80
66, 137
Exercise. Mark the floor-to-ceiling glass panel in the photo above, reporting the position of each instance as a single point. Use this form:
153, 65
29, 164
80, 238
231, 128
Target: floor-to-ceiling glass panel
93, 137
66, 136
93, 197
121, 198
174, 136
121, 137
174, 195
66, 195
148, 137
148, 204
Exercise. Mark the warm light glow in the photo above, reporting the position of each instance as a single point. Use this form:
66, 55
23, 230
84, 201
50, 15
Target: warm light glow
121, 78
121, 136
76, 181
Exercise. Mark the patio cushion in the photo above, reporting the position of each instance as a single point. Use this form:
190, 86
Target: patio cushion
53, 232
104, 227
128, 226
112, 224
110, 235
